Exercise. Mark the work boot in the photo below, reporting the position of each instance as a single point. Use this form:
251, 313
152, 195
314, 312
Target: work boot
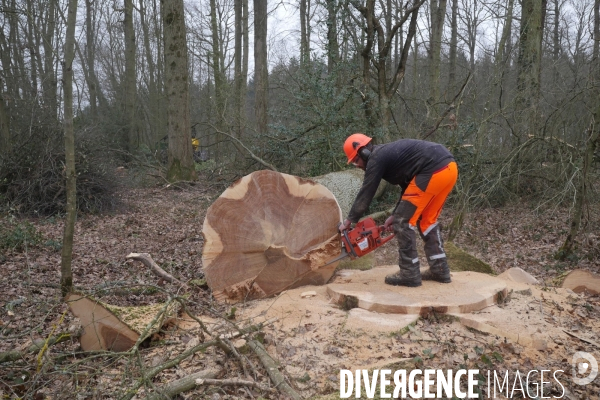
408, 259
427, 275
398, 279
436, 257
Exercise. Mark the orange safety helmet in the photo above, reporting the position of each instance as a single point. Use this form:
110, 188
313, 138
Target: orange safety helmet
354, 143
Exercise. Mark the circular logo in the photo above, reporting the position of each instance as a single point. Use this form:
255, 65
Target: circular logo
581, 367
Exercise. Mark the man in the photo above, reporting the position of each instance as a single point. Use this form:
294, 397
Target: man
426, 172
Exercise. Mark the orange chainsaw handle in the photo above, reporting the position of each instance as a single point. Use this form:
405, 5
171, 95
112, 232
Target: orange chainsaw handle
386, 239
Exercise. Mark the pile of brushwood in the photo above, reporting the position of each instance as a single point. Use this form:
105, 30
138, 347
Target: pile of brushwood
32, 174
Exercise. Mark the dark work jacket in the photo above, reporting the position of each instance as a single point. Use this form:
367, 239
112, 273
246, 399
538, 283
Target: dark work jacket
398, 163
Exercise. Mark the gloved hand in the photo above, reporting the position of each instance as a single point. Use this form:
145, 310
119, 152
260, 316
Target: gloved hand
345, 225
388, 225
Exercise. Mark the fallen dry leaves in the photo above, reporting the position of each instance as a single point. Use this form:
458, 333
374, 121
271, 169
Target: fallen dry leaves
167, 224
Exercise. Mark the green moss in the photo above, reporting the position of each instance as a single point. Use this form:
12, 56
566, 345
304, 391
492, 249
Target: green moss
363, 263
460, 260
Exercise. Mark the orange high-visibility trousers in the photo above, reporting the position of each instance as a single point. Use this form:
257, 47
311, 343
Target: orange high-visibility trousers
428, 194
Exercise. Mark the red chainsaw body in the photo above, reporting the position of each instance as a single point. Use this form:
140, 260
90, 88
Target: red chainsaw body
364, 238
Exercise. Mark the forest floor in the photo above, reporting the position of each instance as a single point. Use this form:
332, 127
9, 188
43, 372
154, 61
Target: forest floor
166, 221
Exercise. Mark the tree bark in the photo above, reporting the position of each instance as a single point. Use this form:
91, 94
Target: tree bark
5, 145
332, 43
218, 68
453, 45
276, 377
130, 78
237, 69
375, 34
596, 51
437, 10
304, 29
66, 276
529, 67
261, 75
180, 162
49, 80
181, 385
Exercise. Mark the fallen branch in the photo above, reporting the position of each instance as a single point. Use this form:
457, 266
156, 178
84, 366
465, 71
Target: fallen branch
37, 345
238, 143
147, 260
184, 384
233, 382
152, 372
276, 377
583, 339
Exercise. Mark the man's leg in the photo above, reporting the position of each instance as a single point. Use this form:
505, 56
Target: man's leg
409, 274
441, 184
436, 256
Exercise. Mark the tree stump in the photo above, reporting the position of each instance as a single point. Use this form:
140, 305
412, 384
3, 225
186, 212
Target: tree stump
269, 232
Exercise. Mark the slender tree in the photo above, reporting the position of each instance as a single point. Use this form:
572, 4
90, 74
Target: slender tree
130, 78
386, 85
437, 13
261, 75
180, 162
332, 35
529, 66
4, 123
49, 80
453, 45
66, 275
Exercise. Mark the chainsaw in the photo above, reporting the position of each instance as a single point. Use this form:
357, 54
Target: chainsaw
365, 237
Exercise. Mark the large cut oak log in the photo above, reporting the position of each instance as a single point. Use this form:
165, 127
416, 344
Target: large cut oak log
269, 232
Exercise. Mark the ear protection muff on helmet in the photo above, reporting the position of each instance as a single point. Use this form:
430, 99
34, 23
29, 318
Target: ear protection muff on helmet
364, 153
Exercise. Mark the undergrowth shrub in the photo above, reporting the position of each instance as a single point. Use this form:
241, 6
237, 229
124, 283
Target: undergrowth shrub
32, 175
17, 236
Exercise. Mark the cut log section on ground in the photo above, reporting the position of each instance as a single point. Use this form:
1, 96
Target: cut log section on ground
469, 291
114, 328
269, 232
582, 281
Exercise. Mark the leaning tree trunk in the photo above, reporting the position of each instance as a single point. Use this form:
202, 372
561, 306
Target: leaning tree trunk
269, 232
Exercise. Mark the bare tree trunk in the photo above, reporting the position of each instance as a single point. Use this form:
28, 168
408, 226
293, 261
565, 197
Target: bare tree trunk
4, 123
130, 78
155, 116
453, 45
581, 196
31, 44
237, 69
66, 276
245, 50
596, 31
218, 67
529, 66
49, 82
375, 34
332, 40
304, 43
261, 74
90, 57
180, 164
593, 142
437, 9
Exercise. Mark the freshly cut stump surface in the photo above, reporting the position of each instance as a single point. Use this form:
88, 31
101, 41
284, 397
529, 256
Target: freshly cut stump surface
582, 281
269, 232
468, 292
